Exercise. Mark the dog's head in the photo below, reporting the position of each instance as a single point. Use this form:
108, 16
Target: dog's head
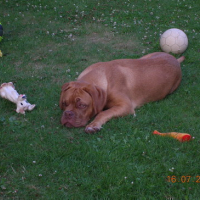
80, 102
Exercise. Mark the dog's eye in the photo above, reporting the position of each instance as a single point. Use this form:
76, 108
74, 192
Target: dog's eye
65, 104
22, 104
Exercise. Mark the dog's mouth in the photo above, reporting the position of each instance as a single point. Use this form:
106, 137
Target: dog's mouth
71, 123
70, 120
68, 125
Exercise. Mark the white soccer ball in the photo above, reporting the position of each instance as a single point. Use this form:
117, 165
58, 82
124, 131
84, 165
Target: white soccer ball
174, 41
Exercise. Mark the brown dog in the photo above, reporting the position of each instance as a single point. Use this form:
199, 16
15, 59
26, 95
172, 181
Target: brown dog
117, 88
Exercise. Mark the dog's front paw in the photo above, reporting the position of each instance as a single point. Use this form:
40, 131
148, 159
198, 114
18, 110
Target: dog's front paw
92, 128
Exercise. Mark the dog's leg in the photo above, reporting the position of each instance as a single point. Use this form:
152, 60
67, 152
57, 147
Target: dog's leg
104, 116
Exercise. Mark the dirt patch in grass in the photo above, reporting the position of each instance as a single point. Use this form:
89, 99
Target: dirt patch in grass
105, 36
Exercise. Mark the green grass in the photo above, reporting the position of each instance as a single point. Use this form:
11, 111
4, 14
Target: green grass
48, 43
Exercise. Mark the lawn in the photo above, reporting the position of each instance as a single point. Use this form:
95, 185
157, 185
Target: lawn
48, 43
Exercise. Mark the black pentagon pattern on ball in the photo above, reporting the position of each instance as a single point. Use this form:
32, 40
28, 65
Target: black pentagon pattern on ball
1, 30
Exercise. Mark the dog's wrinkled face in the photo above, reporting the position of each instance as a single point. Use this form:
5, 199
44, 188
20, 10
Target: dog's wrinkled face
80, 101
77, 105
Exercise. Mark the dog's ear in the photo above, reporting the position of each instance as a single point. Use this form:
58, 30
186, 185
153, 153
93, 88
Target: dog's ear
65, 87
98, 96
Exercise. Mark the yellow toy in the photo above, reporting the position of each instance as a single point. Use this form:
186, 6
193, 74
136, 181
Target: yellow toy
182, 137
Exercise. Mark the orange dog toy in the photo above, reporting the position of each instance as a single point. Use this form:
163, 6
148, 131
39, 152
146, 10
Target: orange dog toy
182, 137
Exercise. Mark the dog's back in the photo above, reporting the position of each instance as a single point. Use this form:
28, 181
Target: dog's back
149, 78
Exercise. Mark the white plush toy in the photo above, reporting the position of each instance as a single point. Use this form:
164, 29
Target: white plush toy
7, 91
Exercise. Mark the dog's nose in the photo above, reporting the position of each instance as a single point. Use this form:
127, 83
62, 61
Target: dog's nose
69, 114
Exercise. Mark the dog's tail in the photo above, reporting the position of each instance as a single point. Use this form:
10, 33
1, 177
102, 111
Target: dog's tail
181, 59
